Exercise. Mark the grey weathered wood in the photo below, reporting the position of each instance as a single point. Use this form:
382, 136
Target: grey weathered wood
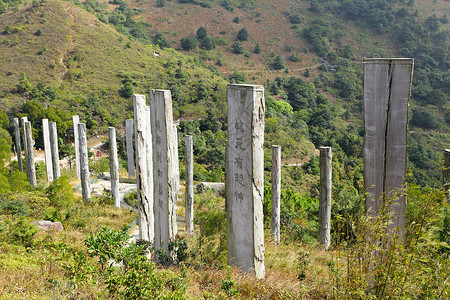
47, 150
446, 171
25, 145
156, 212
141, 136
189, 196
150, 183
387, 86
130, 150
84, 162
114, 166
176, 165
166, 193
30, 155
245, 177
54, 150
17, 142
76, 121
275, 193
325, 197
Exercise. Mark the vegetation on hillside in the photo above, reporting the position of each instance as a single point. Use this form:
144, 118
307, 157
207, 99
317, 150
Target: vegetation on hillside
88, 58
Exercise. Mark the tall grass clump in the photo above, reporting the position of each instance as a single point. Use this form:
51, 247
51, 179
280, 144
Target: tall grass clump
377, 263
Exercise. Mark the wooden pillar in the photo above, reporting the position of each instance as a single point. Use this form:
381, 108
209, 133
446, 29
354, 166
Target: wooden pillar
54, 150
47, 150
276, 194
17, 141
23, 120
114, 166
325, 197
176, 165
84, 162
387, 86
30, 155
141, 139
150, 184
189, 197
165, 188
76, 121
446, 171
130, 151
245, 178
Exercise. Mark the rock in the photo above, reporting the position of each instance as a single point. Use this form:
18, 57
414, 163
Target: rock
44, 225
218, 187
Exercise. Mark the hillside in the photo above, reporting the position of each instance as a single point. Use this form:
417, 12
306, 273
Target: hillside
74, 62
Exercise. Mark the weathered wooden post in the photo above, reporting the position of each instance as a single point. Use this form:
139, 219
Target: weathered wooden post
245, 177
176, 165
130, 151
387, 86
114, 166
25, 145
276, 193
54, 150
446, 171
30, 155
189, 197
84, 162
47, 150
17, 140
166, 193
325, 197
141, 139
76, 121
150, 183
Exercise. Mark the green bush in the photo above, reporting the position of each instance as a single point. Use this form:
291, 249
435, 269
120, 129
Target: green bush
52, 214
13, 207
60, 193
22, 232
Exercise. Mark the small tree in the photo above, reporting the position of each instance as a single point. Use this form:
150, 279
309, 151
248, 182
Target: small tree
279, 63
242, 35
257, 49
237, 48
202, 33
188, 43
208, 43
161, 3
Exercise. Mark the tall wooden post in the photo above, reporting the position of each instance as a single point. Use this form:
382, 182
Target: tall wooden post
325, 197
47, 150
30, 155
18, 146
54, 150
276, 194
23, 120
245, 177
114, 166
84, 162
189, 197
130, 151
76, 121
165, 188
144, 196
387, 86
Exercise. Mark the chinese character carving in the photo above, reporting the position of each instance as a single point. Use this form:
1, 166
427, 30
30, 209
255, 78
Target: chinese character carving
238, 125
238, 161
239, 196
239, 178
239, 144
